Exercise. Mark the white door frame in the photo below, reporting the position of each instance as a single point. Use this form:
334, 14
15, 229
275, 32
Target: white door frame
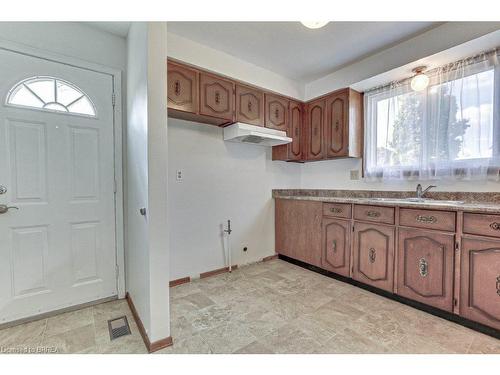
116, 75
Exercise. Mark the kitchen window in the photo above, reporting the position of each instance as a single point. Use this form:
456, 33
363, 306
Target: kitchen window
451, 129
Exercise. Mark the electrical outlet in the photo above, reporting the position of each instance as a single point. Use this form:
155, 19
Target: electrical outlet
178, 175
354, 174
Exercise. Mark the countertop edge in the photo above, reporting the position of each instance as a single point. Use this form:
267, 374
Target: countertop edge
465, 207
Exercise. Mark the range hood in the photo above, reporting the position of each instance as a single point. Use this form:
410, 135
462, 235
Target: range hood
258, 135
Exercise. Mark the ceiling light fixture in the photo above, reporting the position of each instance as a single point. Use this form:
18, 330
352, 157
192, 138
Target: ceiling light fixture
420, 80
314, 24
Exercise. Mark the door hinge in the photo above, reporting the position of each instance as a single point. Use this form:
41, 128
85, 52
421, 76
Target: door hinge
113, 99
457, 246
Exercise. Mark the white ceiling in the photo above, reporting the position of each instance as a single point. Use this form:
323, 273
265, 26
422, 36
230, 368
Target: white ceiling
116, 28
290, 49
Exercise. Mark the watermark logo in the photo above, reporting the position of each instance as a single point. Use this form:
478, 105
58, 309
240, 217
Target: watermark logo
28, 350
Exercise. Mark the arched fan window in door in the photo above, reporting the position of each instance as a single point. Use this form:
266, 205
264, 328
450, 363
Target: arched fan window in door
50, 94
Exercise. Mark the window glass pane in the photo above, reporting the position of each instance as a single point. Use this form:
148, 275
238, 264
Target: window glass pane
82, 106
44, 88
399, 125
56, 107
22, 96
51, 94
447, 130
66, 94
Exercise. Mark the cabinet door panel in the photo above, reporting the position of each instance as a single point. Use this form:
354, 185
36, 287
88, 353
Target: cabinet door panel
276, 112
425, 267
374, 255
336, 246
216, 97
298, 230
293, 150
480, 281
249, 105
337, 127
182, 88
315, 124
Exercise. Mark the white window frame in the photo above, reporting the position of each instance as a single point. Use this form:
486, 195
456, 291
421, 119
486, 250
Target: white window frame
371, 149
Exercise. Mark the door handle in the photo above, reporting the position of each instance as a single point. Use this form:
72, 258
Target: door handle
4, 208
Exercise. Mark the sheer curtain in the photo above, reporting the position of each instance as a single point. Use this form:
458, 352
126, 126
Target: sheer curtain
449, 130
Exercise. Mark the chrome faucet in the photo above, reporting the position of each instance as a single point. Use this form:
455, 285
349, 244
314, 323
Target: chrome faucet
421, 193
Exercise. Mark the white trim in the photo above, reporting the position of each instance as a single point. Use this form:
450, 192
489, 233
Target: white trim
116, 75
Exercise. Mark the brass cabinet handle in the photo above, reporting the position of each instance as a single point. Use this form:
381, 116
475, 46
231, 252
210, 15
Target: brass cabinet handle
249, 105
495, 226
372, 254
423, 267
336, 210
217, 97
334, 248
177, 88
426, 219
372, 213
276, 113
296, 132
498, 285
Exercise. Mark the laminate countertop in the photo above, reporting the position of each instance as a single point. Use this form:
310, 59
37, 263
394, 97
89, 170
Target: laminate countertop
455, 201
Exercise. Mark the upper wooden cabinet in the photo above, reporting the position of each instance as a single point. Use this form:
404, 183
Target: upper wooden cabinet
216, 97
326, 128
249, 105
292, 151
276, 112
336, 130
314, 127
334, 126
182, 88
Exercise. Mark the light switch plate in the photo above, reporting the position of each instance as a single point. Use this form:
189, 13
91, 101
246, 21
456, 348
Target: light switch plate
354, 174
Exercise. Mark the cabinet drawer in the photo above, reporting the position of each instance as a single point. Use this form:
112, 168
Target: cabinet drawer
374, 213
483, 225
440, 220
337, 210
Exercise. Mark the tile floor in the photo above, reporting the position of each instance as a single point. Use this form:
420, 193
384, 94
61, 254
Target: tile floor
271, 307
81, 331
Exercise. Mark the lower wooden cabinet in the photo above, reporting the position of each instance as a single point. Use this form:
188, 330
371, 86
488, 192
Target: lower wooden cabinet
480, 281
326, 235
373, 255
425, 267
336, 246
298, 230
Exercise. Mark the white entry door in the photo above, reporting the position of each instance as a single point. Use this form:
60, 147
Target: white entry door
57, 248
